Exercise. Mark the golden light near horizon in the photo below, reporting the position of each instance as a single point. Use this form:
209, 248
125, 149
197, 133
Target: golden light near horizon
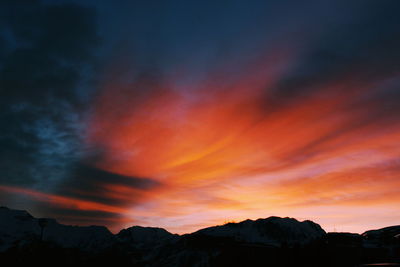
188, 114
230, 153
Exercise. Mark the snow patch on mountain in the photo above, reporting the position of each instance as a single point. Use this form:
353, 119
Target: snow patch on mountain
387, 232
273, 231
18, 227
145, 237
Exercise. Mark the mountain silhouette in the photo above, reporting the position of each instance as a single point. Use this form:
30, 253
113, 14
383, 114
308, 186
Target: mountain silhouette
274, 241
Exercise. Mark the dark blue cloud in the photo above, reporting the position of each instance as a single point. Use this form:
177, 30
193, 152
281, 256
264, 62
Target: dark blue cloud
55, 54
45, 51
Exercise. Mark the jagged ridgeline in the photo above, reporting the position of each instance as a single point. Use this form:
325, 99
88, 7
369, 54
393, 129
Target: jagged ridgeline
274, 241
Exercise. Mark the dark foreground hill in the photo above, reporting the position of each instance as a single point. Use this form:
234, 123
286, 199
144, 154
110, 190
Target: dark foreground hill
274, 241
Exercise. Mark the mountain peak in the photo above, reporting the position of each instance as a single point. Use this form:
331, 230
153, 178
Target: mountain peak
18, 227
273, 231
274, 240
386, 233
145, 237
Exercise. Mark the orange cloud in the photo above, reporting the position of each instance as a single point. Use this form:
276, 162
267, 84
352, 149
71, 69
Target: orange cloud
232, 151
235, 148
61, 201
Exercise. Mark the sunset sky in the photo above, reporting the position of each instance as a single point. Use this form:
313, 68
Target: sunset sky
187, 114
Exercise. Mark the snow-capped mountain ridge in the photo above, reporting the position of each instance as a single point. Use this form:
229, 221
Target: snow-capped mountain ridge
272, 231
146, 237
18, 227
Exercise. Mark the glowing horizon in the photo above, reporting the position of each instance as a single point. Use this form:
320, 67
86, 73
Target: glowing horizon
185, 121
228, 157
225, 157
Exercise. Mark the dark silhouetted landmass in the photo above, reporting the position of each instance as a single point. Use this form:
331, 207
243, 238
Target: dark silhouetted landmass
274, 241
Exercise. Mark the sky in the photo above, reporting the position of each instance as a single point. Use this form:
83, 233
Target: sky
186, 114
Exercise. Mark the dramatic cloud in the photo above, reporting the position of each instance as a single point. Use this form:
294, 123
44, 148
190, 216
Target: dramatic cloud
47, 55
45, 48
190, 115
